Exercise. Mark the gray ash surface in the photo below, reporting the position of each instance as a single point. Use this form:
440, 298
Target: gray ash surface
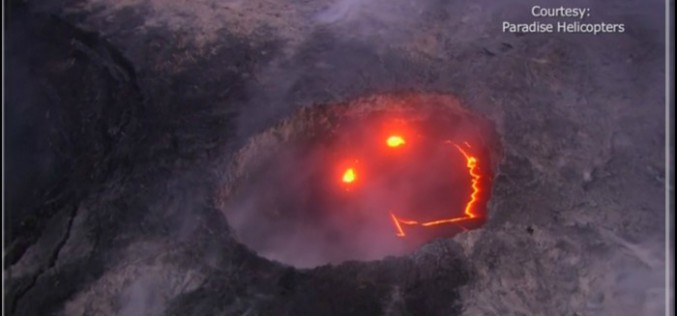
122, 116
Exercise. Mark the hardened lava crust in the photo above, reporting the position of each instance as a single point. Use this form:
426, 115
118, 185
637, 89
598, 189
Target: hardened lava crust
132, 124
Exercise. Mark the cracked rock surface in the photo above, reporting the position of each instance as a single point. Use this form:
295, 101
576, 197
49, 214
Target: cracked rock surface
121, 116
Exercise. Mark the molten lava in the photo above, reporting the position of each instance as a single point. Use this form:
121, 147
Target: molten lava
471, 164
469, 212
395, 141
349, 176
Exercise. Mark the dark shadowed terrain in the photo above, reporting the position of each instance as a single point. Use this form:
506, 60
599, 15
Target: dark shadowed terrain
122, 118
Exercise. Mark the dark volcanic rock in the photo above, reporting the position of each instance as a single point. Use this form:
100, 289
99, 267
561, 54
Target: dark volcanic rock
123, 115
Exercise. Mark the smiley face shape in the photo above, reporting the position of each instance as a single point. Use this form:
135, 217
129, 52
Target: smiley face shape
362, 180
394, 154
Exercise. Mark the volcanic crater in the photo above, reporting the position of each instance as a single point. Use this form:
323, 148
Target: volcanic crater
223, 157
380, 175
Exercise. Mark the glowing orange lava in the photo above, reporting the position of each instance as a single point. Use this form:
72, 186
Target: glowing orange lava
395, 141
471, 164
349, 176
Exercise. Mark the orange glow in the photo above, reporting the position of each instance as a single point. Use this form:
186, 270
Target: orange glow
395, 141
399, 232
349, 176
471, 164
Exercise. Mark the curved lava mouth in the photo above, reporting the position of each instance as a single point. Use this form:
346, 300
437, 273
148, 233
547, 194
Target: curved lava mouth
375, 177
469, 210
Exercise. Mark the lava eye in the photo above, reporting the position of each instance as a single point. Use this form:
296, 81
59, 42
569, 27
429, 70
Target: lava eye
395, 141
349, 176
